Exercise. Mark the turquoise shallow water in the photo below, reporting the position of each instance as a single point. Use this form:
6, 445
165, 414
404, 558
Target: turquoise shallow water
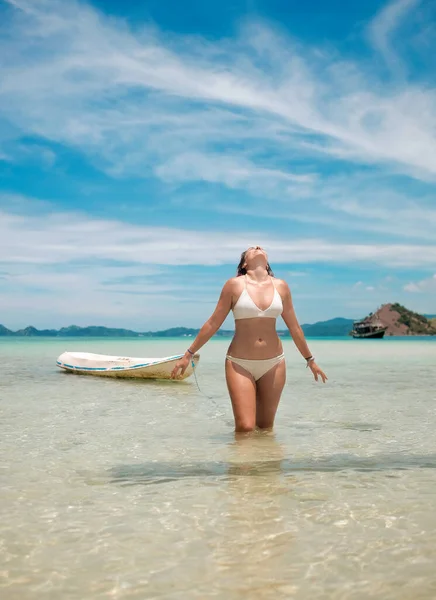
127, 489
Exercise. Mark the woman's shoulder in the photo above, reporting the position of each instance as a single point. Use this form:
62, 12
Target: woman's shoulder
234, 284
281, 284
235, 281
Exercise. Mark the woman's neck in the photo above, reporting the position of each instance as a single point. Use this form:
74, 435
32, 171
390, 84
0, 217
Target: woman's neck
258, 274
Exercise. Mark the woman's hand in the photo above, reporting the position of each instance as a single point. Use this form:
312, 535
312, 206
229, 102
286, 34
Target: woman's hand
181, 365
317, 372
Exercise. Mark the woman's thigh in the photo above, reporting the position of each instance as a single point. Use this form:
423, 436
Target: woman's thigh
242, 390
269, 391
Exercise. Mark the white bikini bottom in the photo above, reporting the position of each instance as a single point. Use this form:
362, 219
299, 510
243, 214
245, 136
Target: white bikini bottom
257, 368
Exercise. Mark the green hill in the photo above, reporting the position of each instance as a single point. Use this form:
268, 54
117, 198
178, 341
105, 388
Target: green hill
416, 324
5, 332
331, 328
33, 332
95, 331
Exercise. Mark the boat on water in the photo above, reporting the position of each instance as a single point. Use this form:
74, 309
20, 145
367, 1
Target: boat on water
102, 365
368, 329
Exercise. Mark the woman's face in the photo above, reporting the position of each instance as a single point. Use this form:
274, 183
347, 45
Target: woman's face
254, 252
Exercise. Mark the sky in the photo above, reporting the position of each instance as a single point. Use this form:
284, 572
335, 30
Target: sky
145, 144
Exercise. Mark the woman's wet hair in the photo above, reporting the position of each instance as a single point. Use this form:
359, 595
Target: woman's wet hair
242, 270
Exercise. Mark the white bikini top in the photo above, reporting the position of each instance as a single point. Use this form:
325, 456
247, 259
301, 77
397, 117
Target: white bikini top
245, 308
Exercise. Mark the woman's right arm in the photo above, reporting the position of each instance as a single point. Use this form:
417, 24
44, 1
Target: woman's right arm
209, 328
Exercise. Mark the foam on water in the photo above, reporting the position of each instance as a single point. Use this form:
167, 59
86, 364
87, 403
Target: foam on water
132, 490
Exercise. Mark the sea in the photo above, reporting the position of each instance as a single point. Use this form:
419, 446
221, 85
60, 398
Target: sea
126, 489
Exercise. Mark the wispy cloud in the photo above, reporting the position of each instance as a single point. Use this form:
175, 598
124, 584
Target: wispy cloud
136, 100
385, 26
232, 171
62, 238
364, 203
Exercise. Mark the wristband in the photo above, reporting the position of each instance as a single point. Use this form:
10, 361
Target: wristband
191, 353
309, 360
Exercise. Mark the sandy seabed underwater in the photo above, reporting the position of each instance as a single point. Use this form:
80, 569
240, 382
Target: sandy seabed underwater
139, 490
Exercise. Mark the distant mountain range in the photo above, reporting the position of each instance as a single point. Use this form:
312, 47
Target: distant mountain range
333, 327
406, 320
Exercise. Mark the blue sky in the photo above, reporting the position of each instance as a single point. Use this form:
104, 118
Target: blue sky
144, 145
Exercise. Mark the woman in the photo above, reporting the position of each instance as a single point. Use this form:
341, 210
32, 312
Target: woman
255, 363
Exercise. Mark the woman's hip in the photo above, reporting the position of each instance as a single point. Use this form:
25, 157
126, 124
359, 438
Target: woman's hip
256, 367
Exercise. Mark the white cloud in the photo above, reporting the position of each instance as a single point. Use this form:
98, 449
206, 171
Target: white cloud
384, 27
232, 171
425, 285
57, 238
361, 203
377, 209
359, 285
411, 287
297, 274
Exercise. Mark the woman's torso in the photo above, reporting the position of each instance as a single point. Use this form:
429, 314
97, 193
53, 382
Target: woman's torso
257, 306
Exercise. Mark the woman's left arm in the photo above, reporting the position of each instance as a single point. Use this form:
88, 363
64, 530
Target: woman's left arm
297, 334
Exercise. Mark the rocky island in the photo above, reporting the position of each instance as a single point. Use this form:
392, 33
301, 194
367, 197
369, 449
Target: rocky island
397, 320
